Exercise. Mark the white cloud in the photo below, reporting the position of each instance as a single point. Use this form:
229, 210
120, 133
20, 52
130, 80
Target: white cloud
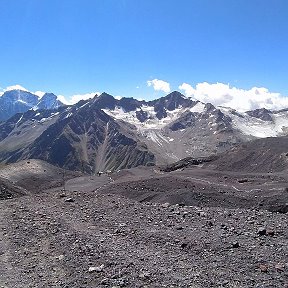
76, 98
40, 94
220, 94
188, 89
15, 87
159, 85
63, 100
20, 87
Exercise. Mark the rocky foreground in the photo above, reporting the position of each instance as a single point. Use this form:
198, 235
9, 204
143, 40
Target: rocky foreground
87, 239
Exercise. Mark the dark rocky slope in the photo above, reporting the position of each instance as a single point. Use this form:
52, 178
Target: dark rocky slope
82, 138
261, 155
35, 176
9, 190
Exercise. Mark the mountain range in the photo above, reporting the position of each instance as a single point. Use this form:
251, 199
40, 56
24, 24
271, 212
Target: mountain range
18, 101
105, 133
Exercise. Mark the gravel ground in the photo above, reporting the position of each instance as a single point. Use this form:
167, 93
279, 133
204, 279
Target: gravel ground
91, 240
106, 231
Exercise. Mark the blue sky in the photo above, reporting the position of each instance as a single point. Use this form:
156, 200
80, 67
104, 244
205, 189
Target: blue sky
74, 47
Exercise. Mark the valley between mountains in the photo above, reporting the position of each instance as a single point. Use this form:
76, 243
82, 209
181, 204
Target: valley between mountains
126, 193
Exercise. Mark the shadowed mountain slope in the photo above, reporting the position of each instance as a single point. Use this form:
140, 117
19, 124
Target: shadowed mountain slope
260, 155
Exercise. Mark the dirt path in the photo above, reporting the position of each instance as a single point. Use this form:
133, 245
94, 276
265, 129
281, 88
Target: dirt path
87, 183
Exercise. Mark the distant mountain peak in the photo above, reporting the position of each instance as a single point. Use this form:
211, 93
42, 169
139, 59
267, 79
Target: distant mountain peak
105, 101
209, 107
175, 94
49, 94
20, 101
49, 101
105, 94
261, 113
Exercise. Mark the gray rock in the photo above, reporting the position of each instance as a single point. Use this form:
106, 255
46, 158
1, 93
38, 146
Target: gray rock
96, 268
262, 231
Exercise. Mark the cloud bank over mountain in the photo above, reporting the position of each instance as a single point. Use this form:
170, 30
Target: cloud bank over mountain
77, 97
221, 94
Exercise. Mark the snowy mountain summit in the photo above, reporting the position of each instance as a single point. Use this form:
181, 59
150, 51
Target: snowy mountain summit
175, 108
19, 101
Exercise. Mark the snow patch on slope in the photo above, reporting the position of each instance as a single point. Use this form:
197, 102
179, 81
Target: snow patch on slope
152, 122
42, 120
19, 120
244, 123
198, 108
119, 114
256, 127
157, 137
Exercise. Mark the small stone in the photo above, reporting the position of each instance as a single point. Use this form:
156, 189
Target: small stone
242, 180
60, 257
209, 223
262, 231
179, 228
144, 275
104, 281
165, 205
263, 268
122, 282
279, 267
184, 245
224, 226
270, 232
70, 200
185, 213
96, 269
235, 244
201, 214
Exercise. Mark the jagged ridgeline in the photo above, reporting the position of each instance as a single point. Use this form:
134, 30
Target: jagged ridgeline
105, 133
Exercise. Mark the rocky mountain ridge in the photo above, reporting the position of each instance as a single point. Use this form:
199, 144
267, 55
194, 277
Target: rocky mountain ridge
105, 133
